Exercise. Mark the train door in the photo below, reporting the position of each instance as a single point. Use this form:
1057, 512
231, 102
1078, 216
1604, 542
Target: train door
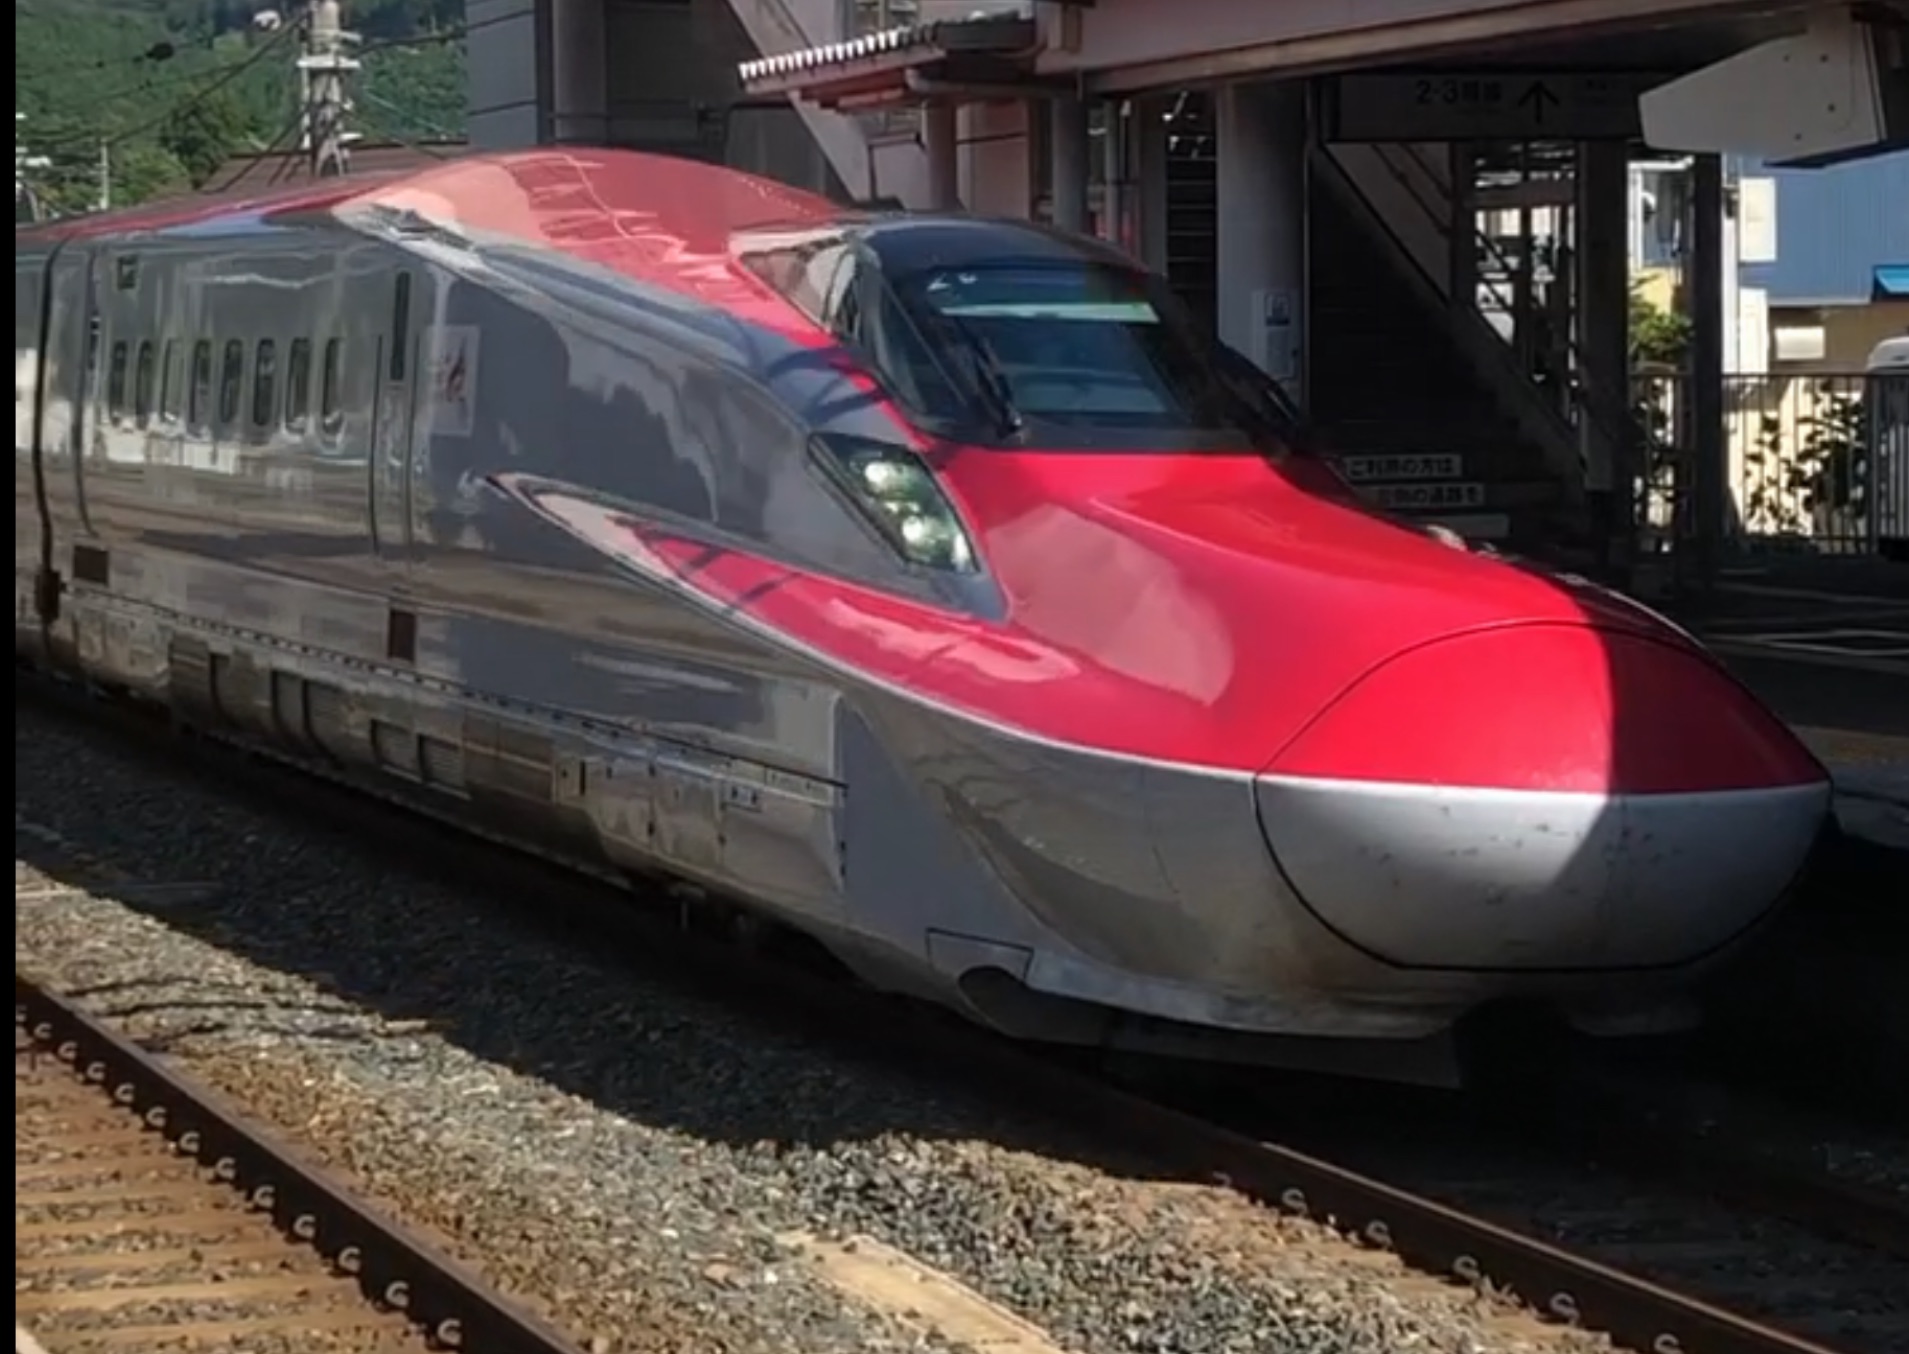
32, 537
84, 342
89, 425
394, 417
69, 354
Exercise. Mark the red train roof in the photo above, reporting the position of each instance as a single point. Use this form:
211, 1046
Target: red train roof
660, 221
656, 219
573, 195
564, 197
200, 209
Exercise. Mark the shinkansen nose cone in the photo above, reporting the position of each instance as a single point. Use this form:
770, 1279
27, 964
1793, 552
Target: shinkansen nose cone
1542, 796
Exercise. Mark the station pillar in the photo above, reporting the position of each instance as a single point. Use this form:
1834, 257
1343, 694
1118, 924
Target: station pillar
997, 169
940, 136
1709, 445
1067, 115
505, 88
1150, 179
1260, 136
579, 73
1603, 331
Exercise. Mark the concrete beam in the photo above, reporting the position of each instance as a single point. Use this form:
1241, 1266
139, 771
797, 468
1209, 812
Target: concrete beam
1127, 45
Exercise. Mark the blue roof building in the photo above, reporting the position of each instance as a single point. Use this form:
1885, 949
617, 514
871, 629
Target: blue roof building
1842, 234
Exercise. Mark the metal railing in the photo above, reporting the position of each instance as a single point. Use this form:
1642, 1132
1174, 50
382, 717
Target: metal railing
1817, 462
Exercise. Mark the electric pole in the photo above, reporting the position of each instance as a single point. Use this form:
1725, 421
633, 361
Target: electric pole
321, 77
24, 166
105, 199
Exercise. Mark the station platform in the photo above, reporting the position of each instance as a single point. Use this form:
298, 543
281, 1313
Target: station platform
1872, 785
1834, 663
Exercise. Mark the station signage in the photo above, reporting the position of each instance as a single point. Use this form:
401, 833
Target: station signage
1371, 468
1488, 105
1436, 497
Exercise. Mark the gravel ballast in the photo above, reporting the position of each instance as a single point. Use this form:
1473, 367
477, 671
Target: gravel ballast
633, 1160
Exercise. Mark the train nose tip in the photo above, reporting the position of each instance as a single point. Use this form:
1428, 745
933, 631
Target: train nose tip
1542, 796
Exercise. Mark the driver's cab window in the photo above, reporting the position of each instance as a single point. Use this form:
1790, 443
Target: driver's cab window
842, 301
835, 282
865, 314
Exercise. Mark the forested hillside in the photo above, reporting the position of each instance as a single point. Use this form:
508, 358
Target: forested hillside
173, 87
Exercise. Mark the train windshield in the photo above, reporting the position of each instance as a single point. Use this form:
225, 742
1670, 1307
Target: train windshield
1082, 353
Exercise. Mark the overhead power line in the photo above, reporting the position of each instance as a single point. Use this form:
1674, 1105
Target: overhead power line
442, 35
163, 50
391, 128
283, 140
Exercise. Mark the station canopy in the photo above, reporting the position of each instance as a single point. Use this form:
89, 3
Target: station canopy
901, 65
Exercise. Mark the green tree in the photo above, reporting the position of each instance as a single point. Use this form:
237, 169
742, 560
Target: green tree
204, 134
134, 73
1658, 337
143, 170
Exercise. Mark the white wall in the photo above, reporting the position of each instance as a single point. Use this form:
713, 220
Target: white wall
995, 173
1260, 138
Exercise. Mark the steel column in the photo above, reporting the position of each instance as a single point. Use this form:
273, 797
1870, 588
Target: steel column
1709, 447
944, 169
1067, 117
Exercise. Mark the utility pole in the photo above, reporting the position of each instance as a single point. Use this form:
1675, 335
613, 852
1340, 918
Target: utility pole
24, 166
104, 202
321, 77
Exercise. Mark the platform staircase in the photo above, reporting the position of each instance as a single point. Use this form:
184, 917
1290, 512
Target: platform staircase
1441, 367
1192, 216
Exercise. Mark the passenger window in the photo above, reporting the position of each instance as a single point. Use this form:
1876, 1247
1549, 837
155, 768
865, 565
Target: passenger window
200, 392
400, 325
169, 381
331, 412
231, 382
116, 380
264, 383
142, 384
298, 384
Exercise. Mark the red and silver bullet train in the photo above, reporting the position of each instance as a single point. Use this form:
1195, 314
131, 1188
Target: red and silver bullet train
926, 583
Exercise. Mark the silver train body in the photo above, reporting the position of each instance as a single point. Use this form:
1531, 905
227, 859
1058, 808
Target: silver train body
249, 488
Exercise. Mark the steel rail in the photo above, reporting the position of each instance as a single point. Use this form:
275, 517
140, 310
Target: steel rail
393, 1269
1593, 1126
1422, 1232
1427, 1235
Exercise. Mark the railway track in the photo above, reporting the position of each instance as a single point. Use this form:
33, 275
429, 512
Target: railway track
1416, 1209
147, 1215
1800, 1259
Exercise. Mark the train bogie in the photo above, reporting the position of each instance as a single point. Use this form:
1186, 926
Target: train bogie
618, 505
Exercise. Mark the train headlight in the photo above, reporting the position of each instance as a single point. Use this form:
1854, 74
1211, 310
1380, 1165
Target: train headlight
888, 478
899, 494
